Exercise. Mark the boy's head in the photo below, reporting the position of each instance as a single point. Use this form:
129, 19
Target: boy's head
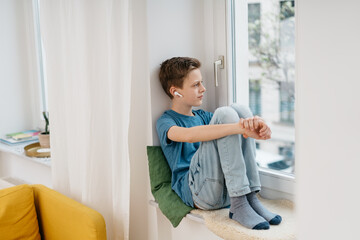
173, 72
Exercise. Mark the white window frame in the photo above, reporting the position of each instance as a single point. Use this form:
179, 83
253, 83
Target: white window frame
41, 68
275, 184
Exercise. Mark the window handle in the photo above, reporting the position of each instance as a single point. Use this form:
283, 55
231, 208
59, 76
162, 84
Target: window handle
219, 62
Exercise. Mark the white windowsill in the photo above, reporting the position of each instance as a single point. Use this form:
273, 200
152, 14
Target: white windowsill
277, 185
18, 150
191, 216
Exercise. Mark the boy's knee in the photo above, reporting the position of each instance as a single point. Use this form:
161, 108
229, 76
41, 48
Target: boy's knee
225, 115
242, 110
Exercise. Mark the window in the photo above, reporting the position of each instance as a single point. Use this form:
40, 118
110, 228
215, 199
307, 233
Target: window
271, 36
40, 58
287, 102
255, 96
254, 23
262, 75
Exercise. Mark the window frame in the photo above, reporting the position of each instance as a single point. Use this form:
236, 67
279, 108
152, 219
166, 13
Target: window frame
275, 184
40, 63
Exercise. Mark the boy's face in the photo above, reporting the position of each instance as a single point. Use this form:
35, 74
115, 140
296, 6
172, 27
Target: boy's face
193, 90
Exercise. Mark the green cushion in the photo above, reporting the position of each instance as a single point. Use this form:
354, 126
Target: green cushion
169, 202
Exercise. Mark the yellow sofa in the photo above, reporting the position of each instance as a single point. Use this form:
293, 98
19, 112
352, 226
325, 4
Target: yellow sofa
37, 212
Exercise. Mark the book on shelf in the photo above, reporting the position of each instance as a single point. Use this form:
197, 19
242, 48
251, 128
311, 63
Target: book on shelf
20, 137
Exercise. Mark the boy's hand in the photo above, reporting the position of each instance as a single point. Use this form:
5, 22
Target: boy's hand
255, 127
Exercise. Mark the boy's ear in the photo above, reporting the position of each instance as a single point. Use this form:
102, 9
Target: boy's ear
172, 90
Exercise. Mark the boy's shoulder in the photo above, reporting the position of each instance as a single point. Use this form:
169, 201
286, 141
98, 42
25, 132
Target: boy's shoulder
166, 116
171, 114
205, 115
170, 118
200, 111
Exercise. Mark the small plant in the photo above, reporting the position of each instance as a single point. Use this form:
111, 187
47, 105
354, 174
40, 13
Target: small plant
46, 117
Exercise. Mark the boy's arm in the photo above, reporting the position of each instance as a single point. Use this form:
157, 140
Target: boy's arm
210, 132
203, 133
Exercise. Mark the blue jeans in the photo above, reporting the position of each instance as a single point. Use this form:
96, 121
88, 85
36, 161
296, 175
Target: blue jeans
225, 167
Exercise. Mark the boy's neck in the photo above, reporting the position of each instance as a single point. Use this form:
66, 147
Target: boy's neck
182, 109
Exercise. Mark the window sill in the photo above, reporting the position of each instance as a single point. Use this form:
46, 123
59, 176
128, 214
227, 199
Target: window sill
18, 150
277, 185
218, 222
191, 216
5, 184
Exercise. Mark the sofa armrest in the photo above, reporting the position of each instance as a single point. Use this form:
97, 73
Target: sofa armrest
62, 218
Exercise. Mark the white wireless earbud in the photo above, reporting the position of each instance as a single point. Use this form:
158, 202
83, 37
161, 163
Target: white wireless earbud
178, 94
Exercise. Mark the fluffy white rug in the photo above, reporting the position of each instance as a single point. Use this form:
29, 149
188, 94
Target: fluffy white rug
218, 222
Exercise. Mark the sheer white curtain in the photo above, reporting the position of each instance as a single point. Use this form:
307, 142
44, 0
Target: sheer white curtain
88, 57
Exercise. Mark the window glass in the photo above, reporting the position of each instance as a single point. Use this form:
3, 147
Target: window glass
41, 57
254, 24
271, 34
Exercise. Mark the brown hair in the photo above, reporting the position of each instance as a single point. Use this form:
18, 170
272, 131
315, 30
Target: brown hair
173, 72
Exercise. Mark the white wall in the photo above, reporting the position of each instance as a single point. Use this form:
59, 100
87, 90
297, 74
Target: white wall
17, 99
327, 119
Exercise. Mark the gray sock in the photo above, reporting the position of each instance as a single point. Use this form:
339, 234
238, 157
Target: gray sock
242, 212
255, 203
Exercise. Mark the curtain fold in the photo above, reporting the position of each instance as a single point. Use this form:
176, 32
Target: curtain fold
88, 62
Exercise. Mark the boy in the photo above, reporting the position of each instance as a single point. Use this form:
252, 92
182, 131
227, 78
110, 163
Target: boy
211, 156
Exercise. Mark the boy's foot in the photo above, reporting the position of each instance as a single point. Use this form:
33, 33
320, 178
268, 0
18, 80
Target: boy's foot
243, 213
255, 203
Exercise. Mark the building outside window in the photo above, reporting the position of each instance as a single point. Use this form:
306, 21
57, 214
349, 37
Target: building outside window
255, 96
271, 31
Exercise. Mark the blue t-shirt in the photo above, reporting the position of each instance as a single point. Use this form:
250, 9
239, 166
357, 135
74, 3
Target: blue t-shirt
179, 154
